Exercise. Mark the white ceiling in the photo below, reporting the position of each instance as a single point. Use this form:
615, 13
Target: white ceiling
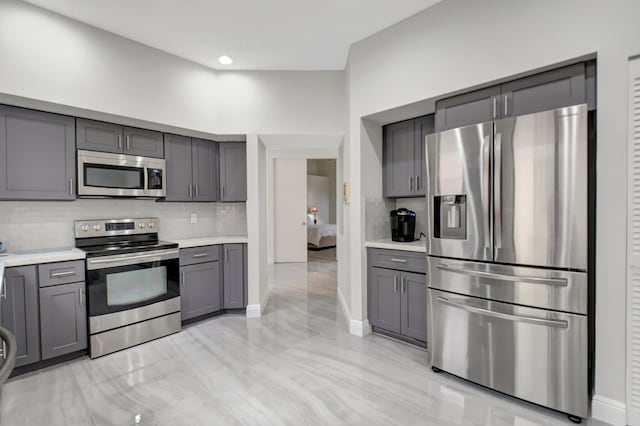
257, 34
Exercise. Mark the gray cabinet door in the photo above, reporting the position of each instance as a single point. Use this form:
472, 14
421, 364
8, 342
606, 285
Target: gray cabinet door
201, 290
545, 91
245, 262
423, 126
398, 160
414, 305
233, 171
475, 107
204, 156
384, 285
20, 311
37, 155
63, 319
99, 136
179, 175
233, 257
146, 143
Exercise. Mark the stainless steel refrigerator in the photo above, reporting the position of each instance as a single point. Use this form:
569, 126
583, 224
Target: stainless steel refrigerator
508, 256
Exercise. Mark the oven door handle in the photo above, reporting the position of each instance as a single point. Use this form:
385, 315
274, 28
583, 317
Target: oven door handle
123, 260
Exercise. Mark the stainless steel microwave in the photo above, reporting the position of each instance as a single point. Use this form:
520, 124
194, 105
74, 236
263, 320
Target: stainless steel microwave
102, 174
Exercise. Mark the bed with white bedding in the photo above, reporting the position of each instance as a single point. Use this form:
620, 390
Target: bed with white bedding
321, 236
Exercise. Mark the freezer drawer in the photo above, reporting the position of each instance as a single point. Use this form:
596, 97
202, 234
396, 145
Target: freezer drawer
541, 288
536, 355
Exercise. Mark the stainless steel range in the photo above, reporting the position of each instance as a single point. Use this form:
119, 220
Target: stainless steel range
133, 285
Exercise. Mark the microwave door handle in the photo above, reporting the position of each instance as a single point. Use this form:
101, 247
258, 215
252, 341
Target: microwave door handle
146, 180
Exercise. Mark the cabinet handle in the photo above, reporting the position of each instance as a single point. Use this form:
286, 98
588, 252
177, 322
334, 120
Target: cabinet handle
4, 288
182, 279
506, 105
128, 142
71, 186
200, 255
190, 191
119, 141
495, 107
81, 297
399, 260
4, 349
417, 183
62, 274
222, 196
196, 191
395, 284
410, 184
226, 254
403, 287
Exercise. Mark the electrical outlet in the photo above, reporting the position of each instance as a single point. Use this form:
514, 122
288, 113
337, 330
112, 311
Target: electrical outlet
194, 217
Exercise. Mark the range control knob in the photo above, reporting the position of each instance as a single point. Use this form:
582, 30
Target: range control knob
85, 228
96, 228
141, 225
150, 224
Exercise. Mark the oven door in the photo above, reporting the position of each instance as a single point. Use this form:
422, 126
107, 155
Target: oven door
116, 175
125, 289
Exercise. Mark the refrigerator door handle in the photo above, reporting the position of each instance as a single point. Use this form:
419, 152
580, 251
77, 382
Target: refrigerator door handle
498, 191
486, 184
560, 282
509, 317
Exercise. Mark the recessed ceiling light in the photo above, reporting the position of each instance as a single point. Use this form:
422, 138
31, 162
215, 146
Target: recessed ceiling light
225, 60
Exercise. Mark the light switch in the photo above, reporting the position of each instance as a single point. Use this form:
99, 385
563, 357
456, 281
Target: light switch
194, 217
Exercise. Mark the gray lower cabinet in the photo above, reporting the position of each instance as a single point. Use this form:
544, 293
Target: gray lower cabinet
403, 161
20, 311
234, 276
397, 293
63, 319
233, 171
201, 289
192, 169
37, 155
95, 135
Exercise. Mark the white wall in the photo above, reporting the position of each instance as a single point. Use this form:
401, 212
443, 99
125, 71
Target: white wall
462, 43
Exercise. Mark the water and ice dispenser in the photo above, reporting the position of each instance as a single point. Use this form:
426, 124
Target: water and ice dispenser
450, 216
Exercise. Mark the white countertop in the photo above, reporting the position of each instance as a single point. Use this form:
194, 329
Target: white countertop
210, 241
386, 243
33, 257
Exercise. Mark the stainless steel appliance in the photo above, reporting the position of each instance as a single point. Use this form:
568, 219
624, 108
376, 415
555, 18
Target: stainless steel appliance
403, 225
133, 284
508, 256
102, 174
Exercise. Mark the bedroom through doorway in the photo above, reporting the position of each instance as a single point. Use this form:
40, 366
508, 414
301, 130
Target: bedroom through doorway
321, 210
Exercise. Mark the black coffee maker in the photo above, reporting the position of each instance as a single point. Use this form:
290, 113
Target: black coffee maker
403, 225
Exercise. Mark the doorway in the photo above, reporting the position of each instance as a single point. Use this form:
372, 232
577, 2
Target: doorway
321, 210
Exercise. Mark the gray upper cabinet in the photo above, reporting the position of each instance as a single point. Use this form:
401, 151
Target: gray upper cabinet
233, 171
469, 108
179, 175
146, 143
403, 162
201, 289
108, 137
192, 169
63, 319
546, 91
204, 155
99, 136
20, 311
37, 155
414, 305
570, 85
384, 286
234, 276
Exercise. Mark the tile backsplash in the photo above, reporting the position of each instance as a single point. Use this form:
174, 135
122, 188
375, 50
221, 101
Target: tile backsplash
377, 224
26, 225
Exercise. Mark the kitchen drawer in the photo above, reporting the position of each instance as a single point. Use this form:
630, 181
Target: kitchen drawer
61, 273
398, 259
193, 255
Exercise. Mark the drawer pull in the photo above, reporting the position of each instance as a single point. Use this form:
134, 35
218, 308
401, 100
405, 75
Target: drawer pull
201, 255
62, 274
399, 260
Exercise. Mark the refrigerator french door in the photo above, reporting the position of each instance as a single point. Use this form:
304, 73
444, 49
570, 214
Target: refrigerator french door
507, 256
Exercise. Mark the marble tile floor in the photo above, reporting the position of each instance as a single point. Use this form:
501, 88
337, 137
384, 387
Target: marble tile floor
297, 365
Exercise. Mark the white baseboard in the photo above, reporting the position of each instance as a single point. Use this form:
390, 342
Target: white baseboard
360, 328
256, 311
608, 410
345, 308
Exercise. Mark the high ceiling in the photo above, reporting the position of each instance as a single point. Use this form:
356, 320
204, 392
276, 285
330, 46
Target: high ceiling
256, 34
